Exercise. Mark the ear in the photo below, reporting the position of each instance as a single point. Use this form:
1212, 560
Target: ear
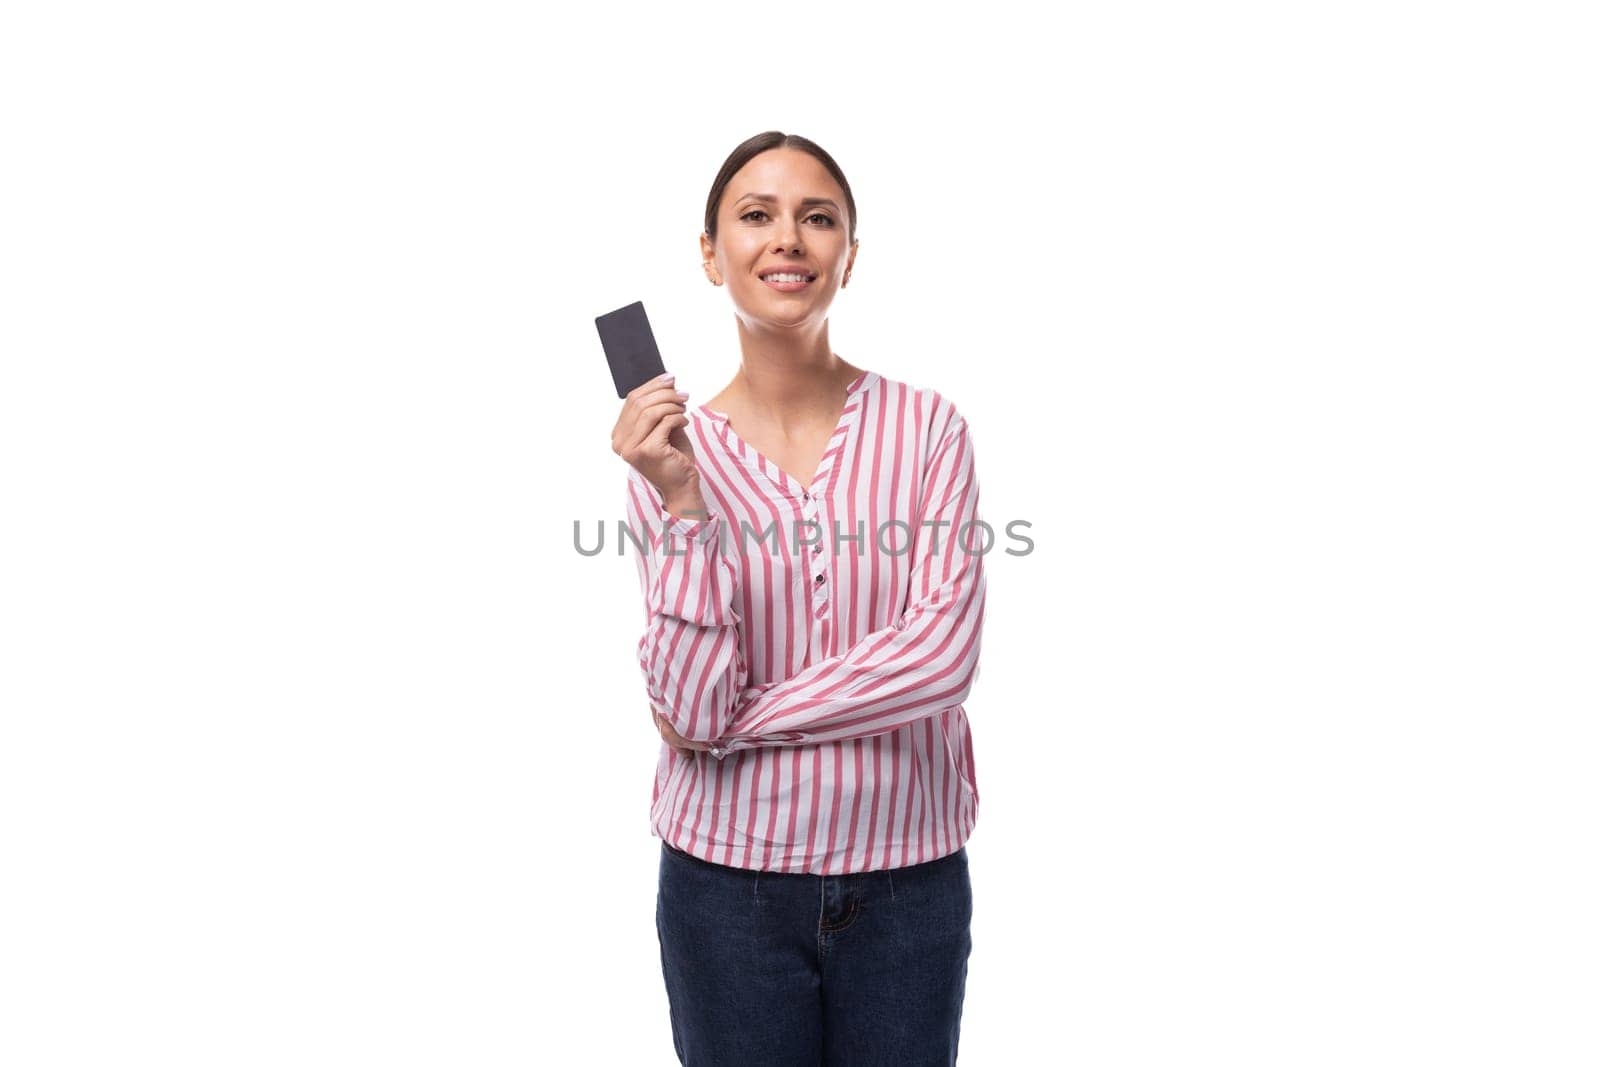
708, 257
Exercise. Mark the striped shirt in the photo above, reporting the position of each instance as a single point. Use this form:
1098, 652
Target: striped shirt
824, 636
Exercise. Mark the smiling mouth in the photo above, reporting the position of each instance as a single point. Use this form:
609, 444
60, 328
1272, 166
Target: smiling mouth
796, 280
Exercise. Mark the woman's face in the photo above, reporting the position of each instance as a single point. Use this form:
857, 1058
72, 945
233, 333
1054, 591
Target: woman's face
782, 209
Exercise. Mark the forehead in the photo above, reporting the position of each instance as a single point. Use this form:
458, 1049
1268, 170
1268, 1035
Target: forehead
787, 173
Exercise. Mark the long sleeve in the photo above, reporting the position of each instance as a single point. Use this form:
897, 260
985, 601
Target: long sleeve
923, 663
690, 652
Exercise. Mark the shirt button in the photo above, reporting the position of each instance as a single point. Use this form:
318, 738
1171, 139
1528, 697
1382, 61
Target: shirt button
816, 548
820, 579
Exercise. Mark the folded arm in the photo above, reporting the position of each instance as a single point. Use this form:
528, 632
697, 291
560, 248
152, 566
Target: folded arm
690, 652
923, 663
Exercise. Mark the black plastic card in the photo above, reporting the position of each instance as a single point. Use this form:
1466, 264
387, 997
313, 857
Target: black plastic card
630, 347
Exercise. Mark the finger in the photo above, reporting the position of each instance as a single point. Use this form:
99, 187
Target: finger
654, 395
659, 438
668, 734
672, 737
656, 390
647, 419
660, 381
661, 392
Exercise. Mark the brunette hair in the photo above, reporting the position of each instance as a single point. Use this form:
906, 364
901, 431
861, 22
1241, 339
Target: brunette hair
762, 142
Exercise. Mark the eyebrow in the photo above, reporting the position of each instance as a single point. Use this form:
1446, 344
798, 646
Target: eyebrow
769, 198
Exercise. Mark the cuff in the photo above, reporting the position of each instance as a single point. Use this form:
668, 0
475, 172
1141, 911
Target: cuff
696, 528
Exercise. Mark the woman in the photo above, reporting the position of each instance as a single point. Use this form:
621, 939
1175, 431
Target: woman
813, 615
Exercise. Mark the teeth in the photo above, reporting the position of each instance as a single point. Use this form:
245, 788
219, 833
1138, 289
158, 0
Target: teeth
787, 277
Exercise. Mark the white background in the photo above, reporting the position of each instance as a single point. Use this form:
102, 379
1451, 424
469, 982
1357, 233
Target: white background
322, 744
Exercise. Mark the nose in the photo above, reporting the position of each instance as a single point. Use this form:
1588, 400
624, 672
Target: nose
789, 237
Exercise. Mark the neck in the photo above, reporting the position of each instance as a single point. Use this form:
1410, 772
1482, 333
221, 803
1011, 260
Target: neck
791, 377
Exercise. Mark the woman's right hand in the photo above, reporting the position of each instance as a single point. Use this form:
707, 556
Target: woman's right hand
650, 436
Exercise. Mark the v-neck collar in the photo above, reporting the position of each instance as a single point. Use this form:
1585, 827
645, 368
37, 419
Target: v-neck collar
826, 467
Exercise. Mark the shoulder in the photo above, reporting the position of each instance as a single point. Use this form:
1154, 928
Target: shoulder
924, 406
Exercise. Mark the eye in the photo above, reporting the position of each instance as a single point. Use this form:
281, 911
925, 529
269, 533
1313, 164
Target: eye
828, 219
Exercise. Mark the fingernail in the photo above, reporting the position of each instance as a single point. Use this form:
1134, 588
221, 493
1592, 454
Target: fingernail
665, 378
682, 395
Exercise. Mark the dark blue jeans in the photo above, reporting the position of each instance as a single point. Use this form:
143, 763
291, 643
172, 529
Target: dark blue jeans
856, 970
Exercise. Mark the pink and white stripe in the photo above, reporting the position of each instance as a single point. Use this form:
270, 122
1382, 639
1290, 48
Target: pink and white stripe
839, 701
